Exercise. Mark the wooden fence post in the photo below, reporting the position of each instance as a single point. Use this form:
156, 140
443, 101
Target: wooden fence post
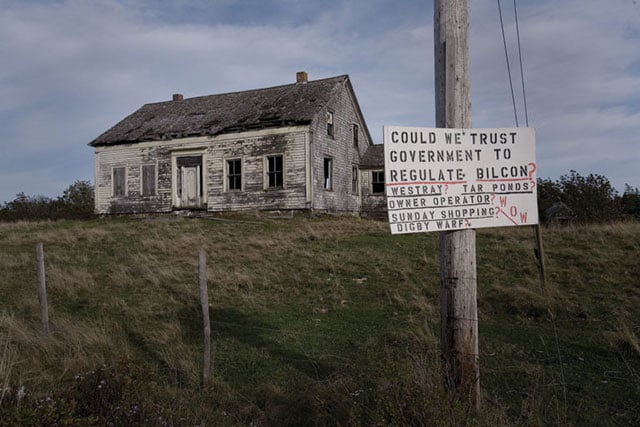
539, 251
42, 289
204, 301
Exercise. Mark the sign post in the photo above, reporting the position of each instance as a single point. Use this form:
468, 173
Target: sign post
453, 179
458, 282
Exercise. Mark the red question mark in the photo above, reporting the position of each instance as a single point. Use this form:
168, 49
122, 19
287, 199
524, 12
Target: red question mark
533, 169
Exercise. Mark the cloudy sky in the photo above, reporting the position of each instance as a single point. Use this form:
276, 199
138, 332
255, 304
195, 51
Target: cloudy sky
71, 69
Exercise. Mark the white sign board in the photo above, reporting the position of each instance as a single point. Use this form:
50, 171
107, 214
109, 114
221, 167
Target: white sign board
451, 179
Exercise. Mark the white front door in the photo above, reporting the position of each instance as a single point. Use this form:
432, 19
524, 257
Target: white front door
190, 188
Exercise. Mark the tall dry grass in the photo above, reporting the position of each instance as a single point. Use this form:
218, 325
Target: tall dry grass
7, 362
330, 318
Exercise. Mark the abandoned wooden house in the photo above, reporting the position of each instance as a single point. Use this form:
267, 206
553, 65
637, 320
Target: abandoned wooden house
301, 146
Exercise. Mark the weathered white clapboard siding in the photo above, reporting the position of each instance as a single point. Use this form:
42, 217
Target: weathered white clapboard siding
340, 148
251, 147
373, 204
132, 157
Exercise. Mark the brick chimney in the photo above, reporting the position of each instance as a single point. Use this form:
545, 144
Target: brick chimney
178, 97
301, 77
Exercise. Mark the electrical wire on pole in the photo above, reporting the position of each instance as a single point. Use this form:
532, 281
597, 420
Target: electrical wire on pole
539, 250
524, 92
506, 54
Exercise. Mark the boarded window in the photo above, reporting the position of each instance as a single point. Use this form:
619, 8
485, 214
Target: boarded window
148, 180
328, 173
354, 179
119, 182
330, 130
377, 181
274, 172
234, 174
356, 132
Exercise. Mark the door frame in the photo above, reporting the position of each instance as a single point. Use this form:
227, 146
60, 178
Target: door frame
175, 200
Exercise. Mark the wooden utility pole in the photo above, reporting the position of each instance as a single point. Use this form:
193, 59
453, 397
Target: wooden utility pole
458, 279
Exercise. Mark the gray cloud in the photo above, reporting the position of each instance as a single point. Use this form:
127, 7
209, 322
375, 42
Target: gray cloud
581, 74
71, 69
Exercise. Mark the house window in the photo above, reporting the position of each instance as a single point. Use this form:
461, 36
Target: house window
330, 130
148, 180
119, 182
354, 179
356, 131
234, 174
377, 182
328, 173
274, 172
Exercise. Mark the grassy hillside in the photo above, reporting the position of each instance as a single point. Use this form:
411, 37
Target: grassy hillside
314, 321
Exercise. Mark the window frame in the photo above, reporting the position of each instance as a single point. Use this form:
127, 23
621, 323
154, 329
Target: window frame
114, 190
143, 181
331, 131
327, 181
229, 178
268, 173
356, 134
355, 179
374, 182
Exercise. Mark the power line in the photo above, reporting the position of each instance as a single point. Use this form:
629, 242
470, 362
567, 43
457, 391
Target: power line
524, 93
506, 54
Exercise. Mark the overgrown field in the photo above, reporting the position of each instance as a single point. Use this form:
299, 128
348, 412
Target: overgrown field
315, 321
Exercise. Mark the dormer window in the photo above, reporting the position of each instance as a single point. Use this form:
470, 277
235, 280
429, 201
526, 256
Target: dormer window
330, 130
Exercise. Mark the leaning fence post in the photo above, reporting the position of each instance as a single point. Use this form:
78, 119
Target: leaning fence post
204, 301
42, 289
540, 256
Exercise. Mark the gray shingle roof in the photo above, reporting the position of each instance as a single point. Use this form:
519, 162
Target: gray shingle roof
287, 105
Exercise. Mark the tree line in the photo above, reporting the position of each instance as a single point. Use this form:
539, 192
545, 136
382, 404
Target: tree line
580, 199
76, 202
586, 199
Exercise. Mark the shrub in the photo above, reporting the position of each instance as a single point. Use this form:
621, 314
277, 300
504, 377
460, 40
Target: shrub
591, 199
75, 203
29, 208
630, 201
